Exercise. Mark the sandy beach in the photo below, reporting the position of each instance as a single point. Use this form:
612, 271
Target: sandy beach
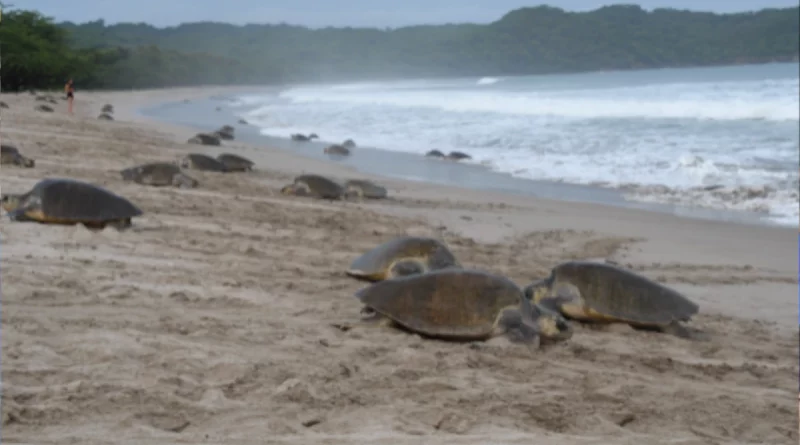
213, 320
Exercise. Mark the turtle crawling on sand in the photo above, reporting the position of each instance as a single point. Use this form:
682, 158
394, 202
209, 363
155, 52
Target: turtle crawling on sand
159, 174
361, 188
303, 138
401, 256
67, 201
225, 133
315, 186
105, 116
235, 163
107, 108
10, 155
198, 161
336, 149
462, 305
599, 292
205, 139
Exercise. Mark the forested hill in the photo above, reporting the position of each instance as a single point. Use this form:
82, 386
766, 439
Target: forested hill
524, 41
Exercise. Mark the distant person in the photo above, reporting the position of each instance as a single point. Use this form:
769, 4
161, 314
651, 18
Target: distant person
70, 90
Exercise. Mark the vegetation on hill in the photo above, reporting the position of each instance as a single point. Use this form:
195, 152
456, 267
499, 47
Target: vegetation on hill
38, 53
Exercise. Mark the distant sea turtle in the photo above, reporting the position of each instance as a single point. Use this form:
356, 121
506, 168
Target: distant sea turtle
10, 155
226, 133
463, 305
303, 138
605, 293
3, 104
159, 174
349, 143
401, 256
361, 188
105, 117
44, 108
242, 122
314, 185
336, 149
235, 163
458, 156
434, 154
198, 161
205, 139
107, 108
67, 201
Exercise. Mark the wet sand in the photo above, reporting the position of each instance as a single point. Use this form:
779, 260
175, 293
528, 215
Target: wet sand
213, 319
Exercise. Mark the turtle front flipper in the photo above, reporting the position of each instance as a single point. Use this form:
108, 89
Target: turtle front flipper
511, 322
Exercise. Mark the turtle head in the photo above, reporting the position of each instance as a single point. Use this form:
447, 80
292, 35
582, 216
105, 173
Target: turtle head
406, 267
10, 202
288, 190
27, 162
551, 325
184, 162
539, 289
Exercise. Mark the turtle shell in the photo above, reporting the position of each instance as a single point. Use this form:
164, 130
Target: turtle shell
368, 189
71, 201
612, 293
235, 162
376, 264
203, 162
155, 173
321, 186
453, 303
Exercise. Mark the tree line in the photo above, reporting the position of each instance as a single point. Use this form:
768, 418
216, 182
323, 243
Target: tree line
38, 53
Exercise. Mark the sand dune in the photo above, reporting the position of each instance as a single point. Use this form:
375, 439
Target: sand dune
213, 320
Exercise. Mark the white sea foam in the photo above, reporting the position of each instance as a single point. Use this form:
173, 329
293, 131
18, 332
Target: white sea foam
488, 80
725, 138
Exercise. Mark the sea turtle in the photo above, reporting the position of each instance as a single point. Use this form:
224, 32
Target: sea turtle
68, 201
107, 108
225, 133
349, 143
159, 174
457, 156
198, 161
3, 104
601, 292
404, 255
361, 188
44, 108
303, 138
314, 185
462, 305
337, 149
105, 117
235, 163
205, 139
242, 122
434, 154
10, 155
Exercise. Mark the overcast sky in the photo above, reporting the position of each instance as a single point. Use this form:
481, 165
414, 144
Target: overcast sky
316, 13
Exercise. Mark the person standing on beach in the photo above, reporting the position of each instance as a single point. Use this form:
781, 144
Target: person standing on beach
70, 90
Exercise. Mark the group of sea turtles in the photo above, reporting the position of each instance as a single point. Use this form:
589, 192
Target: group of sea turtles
345, 148
419, 285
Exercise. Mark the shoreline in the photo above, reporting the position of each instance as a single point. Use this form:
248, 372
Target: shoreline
200, 115
213, 319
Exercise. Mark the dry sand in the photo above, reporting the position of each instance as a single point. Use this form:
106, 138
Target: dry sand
211, 321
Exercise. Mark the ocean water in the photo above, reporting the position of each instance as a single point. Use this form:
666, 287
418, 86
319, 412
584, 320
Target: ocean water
723, 138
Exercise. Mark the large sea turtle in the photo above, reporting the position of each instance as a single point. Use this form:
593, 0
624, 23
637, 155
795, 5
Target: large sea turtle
198, 161
361, 188
600, 292
68, 201
235, 163
434, 154
159, 174
401, 256
314, 185
10, 155
462, 305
